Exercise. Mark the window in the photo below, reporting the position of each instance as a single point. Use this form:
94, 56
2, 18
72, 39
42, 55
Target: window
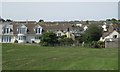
115, 36
22, 30
6, 30
22, 37
6, 38
37, 30
37, 37
59, 34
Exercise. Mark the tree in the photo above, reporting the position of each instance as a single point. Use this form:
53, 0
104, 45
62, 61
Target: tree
2, 20
108, 19
49, 38
87, 22
119, 20
65, 41
93, 33
80, 39
8, 20
113, 20
41, 20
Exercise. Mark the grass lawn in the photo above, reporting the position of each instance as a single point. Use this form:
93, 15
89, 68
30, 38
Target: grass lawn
31, 57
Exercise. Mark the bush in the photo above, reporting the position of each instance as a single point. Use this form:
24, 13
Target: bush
101, 44
43, 44
49, 39
94, 44
66, 41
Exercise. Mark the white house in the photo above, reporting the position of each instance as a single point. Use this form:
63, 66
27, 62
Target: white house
20, 32
104, 27
60, 33
85, 28
113, 35
29, 32
80, 25
6, 33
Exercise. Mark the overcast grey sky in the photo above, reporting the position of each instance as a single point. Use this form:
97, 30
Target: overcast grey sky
119, 10
56, 11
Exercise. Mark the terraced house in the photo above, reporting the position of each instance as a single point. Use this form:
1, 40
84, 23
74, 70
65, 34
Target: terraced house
30, 31
20, 32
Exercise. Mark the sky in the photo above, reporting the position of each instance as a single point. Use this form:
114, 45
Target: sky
119, 10
59, 11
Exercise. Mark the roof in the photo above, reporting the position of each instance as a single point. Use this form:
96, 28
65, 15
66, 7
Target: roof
55, 27
61, 27
108, 33
30, 27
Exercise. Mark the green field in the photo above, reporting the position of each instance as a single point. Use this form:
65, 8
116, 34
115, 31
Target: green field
31, 57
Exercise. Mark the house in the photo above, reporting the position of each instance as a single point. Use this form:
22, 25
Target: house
112, 32
6, 32
112, 40
62, 29
85, 28
60, 33
27, 32
30, 31
111, 36
77, 30
105, 27
20, 32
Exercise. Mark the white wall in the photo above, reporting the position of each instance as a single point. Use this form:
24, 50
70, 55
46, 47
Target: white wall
114, 33
0, 38
60, 32
0, 29
31, 38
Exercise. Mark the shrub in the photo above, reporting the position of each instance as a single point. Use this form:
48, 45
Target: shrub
66, 41
94, 44
49, 38
101, 44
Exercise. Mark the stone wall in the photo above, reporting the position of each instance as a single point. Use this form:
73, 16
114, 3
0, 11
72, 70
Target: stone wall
113, 43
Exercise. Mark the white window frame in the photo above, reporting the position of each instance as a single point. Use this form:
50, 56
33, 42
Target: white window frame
59, 34
6, 39
38, 30
37, 37
6, 30
22, 30
21, 37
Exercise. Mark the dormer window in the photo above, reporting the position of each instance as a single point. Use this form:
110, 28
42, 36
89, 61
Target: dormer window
22, 30
59, 34
37, 30
6, 30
